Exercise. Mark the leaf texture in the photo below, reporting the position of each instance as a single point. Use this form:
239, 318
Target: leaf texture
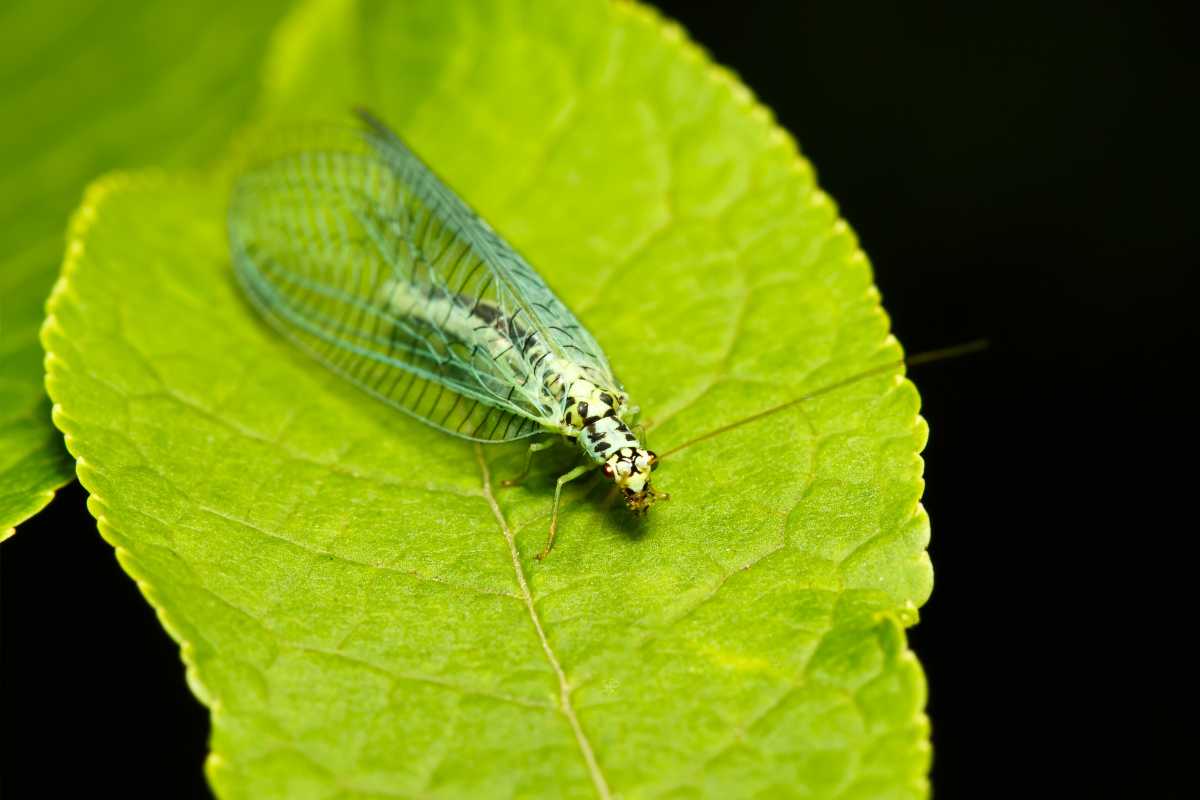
356, 596
86, 87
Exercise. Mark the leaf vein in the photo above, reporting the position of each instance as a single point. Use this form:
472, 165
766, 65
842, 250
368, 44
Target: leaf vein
564, 687
316, 551
420, 677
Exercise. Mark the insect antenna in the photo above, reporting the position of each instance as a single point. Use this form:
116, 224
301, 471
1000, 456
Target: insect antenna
927, 357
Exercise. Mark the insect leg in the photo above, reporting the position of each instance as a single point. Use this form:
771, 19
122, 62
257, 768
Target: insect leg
582, 469
536, 447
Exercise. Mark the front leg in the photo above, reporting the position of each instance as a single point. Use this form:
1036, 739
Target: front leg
582, 469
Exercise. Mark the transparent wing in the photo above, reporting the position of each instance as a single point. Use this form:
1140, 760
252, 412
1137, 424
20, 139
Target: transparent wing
519, 287
359, 254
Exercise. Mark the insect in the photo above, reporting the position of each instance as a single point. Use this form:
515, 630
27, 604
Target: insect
354, 249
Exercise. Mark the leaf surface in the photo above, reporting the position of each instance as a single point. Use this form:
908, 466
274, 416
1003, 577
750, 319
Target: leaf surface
86, 87
356, 596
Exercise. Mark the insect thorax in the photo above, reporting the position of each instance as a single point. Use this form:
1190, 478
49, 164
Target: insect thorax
595, 414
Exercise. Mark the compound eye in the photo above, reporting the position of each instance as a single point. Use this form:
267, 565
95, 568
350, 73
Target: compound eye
608, 471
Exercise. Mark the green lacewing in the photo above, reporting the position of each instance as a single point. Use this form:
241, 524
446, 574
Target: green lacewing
354, 249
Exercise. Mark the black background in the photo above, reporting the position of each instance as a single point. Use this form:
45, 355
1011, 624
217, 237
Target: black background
1021, 172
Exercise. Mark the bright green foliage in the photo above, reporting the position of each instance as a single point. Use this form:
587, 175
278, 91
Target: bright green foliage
32, 461
86, 87
357, 598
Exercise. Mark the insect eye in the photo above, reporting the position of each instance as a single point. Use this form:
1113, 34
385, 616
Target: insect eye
608, 473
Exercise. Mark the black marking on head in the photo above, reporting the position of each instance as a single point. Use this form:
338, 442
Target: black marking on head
581, 409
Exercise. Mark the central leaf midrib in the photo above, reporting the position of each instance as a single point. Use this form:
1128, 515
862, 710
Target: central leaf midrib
565, 707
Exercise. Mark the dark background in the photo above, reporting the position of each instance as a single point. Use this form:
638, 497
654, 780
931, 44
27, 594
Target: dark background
1021, 172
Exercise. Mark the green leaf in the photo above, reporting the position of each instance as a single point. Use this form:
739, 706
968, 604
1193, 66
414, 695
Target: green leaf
89, 87
357, 599
32, 461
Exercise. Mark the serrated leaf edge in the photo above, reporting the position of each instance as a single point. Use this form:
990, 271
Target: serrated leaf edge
673, 36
